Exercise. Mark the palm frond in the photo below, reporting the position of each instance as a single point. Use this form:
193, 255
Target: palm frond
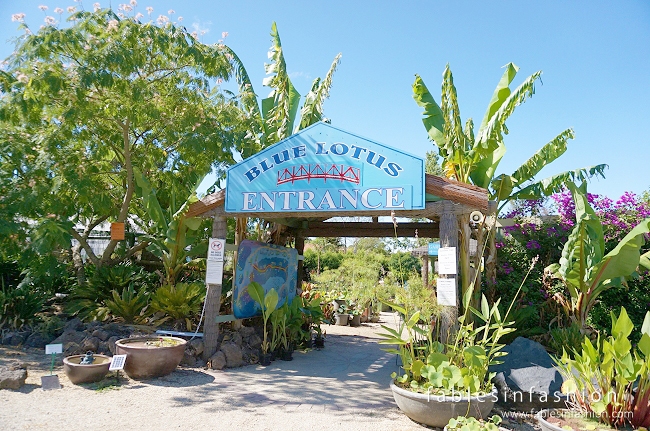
501, 93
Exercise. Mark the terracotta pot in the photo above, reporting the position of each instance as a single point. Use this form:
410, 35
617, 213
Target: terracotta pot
148, 357
86, 373
436, 410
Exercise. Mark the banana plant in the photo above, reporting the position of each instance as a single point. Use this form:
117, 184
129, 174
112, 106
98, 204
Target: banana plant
272, 119
473, 158
172, 237
584, 268
267, 302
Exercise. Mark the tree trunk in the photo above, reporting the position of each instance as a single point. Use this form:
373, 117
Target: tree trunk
448, 238
78, 264
480, 242
465, 273
491, 266
213, 299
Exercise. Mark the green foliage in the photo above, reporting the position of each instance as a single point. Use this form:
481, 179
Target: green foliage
462, 423
96, 98
181, 304
601, 378
316, 261
417, 297
567, 338
88, 301
584, 267
19, 306
462, 365
267, 303
130, 306
404, 266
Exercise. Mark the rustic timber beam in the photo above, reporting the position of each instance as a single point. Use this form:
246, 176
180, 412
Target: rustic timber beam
457, 192
374, 230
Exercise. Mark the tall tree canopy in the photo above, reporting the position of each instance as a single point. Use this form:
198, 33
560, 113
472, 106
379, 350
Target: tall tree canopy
85, 105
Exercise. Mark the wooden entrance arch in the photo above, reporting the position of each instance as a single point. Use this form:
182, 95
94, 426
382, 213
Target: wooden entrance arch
446, 201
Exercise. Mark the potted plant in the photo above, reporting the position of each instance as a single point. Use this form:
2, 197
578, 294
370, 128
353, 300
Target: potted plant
355, 317
462, 423
341, 316
267, 303
609, 380
150, 356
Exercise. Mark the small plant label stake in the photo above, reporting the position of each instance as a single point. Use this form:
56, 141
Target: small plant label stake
52, 381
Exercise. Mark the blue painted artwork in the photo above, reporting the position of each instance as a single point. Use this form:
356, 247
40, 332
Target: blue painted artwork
323, 168
272, 266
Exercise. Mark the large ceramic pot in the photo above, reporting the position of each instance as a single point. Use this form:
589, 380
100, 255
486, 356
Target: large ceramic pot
542, 417
435, 411
86, 373
152, 356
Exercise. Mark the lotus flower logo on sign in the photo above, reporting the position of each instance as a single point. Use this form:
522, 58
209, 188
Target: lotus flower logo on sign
322, 168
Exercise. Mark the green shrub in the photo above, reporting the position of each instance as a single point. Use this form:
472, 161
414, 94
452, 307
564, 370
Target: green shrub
568, 338
130, 306
88, 301
181, 304
20, 306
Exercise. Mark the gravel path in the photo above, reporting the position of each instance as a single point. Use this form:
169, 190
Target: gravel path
341, 387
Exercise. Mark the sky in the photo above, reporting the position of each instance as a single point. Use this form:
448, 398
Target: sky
595, 58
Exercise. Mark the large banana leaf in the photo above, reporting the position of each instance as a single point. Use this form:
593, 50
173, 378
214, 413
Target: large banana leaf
555, 183
433, 119
312, 109
547, 154
501, 93
280, 107
150, 200
495, 126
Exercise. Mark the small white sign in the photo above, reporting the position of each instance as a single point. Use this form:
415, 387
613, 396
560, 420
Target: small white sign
117, 363
51, 349
216, 248
447, 291
214, 272
447, 261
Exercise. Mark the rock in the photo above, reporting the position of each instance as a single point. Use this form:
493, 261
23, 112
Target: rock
14, 338
12, 377
246, 331
111, 343
197, 345
234, 355
37, 340
103, 348
217, 361
72, 348
90, 344
73, 325
188, 360
70, 336
527, 378
236, 338
101, 334
255, 341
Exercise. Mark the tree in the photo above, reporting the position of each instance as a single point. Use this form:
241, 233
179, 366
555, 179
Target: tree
473, 158
83, 106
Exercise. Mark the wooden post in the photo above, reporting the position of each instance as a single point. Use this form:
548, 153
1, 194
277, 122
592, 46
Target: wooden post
448, 238
300, 247
213, 299
425, 269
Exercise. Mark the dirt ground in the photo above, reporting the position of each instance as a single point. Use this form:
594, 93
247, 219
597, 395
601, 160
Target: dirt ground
344, 386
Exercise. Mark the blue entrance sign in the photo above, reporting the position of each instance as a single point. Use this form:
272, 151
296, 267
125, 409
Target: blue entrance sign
323, 168
433, 248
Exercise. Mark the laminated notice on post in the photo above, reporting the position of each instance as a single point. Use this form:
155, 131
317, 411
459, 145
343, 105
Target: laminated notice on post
447, 291
214, 272
447, 261
216, 248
